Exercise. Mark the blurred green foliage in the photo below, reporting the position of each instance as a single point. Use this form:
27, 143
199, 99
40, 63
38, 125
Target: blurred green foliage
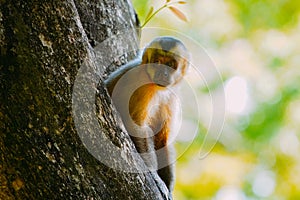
265, 14
257, 155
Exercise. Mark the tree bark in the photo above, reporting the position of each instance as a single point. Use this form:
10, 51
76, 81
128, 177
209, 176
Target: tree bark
52, 56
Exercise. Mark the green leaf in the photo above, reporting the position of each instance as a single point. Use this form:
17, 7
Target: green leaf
149, 13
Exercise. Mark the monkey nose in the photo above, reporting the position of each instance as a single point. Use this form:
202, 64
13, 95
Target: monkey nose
166, 72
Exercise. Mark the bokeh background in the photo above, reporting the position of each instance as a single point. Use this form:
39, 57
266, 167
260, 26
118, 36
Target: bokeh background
255, 46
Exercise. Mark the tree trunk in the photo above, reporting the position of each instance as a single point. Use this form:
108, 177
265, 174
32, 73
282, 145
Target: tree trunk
60, 137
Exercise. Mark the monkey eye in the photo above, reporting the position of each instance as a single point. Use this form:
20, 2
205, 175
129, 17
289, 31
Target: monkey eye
156, 61
172, 64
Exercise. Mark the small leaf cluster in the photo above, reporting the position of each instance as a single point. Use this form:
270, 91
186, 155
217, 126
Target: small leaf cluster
170, 5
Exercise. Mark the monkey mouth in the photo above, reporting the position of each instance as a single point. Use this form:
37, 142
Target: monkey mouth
162, 83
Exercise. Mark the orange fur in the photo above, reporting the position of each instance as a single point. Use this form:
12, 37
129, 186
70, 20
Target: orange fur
161, 119
139, 102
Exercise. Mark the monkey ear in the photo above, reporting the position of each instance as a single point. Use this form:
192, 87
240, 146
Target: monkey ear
184, 67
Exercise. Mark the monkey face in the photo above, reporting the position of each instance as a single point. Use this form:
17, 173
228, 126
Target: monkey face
165, 69
166, 61
160, 74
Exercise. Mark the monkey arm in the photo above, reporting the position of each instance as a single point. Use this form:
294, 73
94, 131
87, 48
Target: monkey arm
113, 78
146, 149
167, 173
165, 152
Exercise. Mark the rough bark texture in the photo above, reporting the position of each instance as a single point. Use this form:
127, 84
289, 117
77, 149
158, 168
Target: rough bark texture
43, 46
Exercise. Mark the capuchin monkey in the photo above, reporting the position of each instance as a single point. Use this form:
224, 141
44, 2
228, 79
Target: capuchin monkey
142, 93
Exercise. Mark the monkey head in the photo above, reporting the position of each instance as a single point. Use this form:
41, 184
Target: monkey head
166, 60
